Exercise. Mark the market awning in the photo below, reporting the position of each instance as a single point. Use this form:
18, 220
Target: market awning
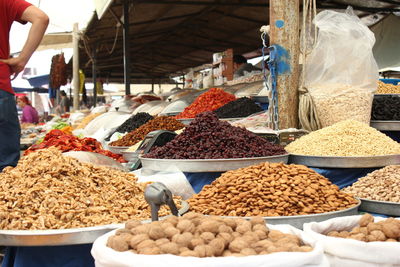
170, 36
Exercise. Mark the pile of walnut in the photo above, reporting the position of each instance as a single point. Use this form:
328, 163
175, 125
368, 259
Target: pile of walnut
204, 236
387, 230
270, 189
50, 191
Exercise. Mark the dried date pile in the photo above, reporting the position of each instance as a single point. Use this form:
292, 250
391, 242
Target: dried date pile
387, 230
270, 189
238, 108
386, 108
158, 123
195, 235
209, 138
50, 191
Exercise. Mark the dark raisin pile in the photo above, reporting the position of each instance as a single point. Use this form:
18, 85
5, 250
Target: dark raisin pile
386, 108
239, 108
209, 138
133, 123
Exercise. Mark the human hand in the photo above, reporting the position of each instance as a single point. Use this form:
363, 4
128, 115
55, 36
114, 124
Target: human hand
17, 64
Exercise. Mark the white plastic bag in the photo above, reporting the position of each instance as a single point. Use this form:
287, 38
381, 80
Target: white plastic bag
107, 257
341, 72
343, 252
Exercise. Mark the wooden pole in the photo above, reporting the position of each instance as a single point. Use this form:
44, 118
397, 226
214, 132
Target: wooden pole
284, 25
75, 65
126, 48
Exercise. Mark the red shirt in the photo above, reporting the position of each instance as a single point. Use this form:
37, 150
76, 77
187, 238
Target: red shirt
10, 11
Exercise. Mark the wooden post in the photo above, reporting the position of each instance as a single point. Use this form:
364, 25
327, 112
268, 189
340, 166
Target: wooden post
284, 25
75, 65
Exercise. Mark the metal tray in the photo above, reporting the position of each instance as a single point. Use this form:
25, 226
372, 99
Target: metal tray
62, 237
206, 165
345, 162
185, 121
386, 125
298, 220
380, 207
118, 149
130, 155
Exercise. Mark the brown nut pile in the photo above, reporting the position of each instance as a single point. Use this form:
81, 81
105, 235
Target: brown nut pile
385, 231
387, 88
380, 185
158, 123
50, 191
270, 189
196, 235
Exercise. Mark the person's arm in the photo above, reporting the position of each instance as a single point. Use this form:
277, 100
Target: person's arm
39, 22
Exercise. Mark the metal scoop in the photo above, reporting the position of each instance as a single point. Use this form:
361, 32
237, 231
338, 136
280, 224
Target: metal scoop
157, 194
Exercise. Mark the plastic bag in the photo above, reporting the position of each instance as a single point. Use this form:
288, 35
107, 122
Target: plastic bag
341, 72
107, 257
343, 252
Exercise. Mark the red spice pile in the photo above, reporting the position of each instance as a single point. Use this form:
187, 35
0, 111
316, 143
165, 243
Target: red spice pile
66, 142
208, 101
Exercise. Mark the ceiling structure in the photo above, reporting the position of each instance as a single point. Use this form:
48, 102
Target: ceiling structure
167, 37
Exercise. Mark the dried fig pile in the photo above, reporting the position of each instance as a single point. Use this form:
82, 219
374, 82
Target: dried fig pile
196, 235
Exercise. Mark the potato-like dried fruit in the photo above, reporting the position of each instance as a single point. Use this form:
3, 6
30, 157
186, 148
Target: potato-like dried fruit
191, 215
207, 237
226, 237
170, 232
257, 220
141, 229
366, 219
170, 248
123, 231
391, 230
374, 226
189, 253
243, 227
132, 224
162, 241
218, 245
238, 244
149, 251
196, 242
119, 243
186, 226
225, 229
209, 226
248, 252
156, 232
136, 239
261, 227
183, 240
145, 244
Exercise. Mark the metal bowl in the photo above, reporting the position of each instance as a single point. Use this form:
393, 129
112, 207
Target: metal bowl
130, 155
118, 149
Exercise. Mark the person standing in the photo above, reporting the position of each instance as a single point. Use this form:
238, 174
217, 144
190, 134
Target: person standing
23, 12
29, 113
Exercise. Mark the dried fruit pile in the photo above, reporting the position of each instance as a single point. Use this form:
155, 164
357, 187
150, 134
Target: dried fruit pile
67, 142
386, 108
270, 189
50, 191
133, 122
159, 123
385, 231
195, 235
208, 101
387, 88
238, 108
345, 138
209, 138
381, 185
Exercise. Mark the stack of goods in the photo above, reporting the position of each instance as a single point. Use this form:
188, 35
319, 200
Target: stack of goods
208, 101
380, 185
58, 71
209, 138
67, 142
345, 138
270, 189
195, 235
387, 88
238, 108
85, 121
133, 123
159, 123
61, 192
386, 108
387, 230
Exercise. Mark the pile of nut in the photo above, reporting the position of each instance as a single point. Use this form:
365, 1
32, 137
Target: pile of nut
158, 123
387, 230
342, 102
381, 185
50, 191
346, 138
196, 235
270, 189
387, 88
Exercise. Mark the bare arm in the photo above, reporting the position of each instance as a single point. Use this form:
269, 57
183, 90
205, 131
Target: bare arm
39, 22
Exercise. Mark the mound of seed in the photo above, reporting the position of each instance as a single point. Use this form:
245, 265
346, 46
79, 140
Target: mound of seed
159, 123
238, 108
386, 108
209, 138
345, 138
270, 189
134, 122
381, 185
